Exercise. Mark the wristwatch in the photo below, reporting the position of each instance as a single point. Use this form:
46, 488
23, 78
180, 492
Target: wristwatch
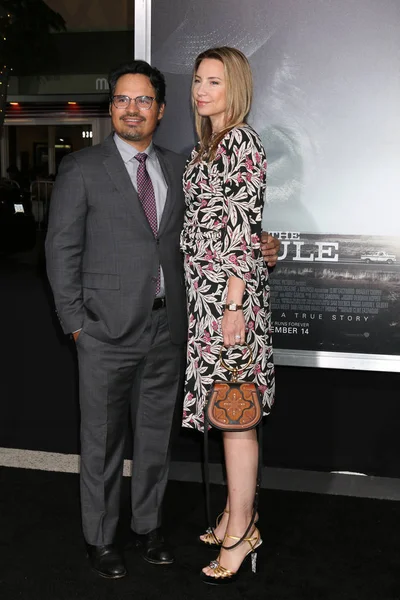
233, 306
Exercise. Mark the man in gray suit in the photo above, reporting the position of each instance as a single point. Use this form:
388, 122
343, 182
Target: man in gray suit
115, 268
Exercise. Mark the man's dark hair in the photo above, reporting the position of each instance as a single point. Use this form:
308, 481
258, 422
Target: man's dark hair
139, 67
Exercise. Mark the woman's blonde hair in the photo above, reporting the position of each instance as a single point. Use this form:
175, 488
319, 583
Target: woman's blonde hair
239, 94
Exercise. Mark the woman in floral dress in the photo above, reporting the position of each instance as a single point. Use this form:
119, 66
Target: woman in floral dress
226, 279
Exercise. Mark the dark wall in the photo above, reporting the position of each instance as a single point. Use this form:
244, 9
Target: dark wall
323, 419
78, 53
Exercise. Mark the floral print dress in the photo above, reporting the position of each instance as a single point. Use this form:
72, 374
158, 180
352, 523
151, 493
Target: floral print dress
221, 239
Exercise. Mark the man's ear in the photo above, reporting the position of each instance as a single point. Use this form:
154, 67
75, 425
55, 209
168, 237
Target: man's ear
109, 109
161, 109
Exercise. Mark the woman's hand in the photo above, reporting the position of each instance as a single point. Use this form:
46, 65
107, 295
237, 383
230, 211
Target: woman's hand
233, 328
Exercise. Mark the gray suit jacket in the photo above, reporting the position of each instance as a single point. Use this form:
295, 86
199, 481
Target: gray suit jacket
102, 257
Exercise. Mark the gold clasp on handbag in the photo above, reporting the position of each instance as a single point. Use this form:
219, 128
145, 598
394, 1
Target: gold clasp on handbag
235, 370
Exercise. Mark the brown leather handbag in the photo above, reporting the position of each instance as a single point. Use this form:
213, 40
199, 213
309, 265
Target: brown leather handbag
234, 405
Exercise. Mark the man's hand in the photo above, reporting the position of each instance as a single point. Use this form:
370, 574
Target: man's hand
75, 335
269, 248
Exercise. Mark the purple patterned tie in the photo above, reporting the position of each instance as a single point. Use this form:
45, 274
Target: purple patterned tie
147, 198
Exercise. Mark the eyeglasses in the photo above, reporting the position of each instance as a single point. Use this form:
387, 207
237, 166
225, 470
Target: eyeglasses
145, 102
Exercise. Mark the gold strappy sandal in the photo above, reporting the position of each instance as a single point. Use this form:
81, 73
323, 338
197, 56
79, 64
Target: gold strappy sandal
210, 539
223, 576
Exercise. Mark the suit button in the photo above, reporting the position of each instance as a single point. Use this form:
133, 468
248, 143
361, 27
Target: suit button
154, 279
157, 241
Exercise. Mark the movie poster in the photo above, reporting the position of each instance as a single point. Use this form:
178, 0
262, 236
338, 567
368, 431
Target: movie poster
326, 105
337, 293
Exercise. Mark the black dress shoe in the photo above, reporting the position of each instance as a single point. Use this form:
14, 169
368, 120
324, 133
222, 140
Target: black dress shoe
106, 561
153, 548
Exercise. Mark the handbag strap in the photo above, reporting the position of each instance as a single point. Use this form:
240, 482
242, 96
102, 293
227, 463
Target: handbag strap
206, 476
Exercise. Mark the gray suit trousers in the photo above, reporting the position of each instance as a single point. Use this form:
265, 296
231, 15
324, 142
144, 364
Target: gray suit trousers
114, 380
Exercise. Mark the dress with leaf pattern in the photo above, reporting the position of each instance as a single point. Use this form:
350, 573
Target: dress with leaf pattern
220, 239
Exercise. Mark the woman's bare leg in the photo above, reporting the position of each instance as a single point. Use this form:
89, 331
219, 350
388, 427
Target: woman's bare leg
241, 460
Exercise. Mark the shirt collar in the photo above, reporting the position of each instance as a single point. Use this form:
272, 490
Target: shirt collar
128, 152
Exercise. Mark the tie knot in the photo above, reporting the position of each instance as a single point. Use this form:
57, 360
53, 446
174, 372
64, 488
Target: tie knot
141, 157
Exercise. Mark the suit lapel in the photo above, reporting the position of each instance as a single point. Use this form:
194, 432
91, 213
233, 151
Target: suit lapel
171, 183
116, 169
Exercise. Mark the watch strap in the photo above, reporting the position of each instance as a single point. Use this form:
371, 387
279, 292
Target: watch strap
233, 306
